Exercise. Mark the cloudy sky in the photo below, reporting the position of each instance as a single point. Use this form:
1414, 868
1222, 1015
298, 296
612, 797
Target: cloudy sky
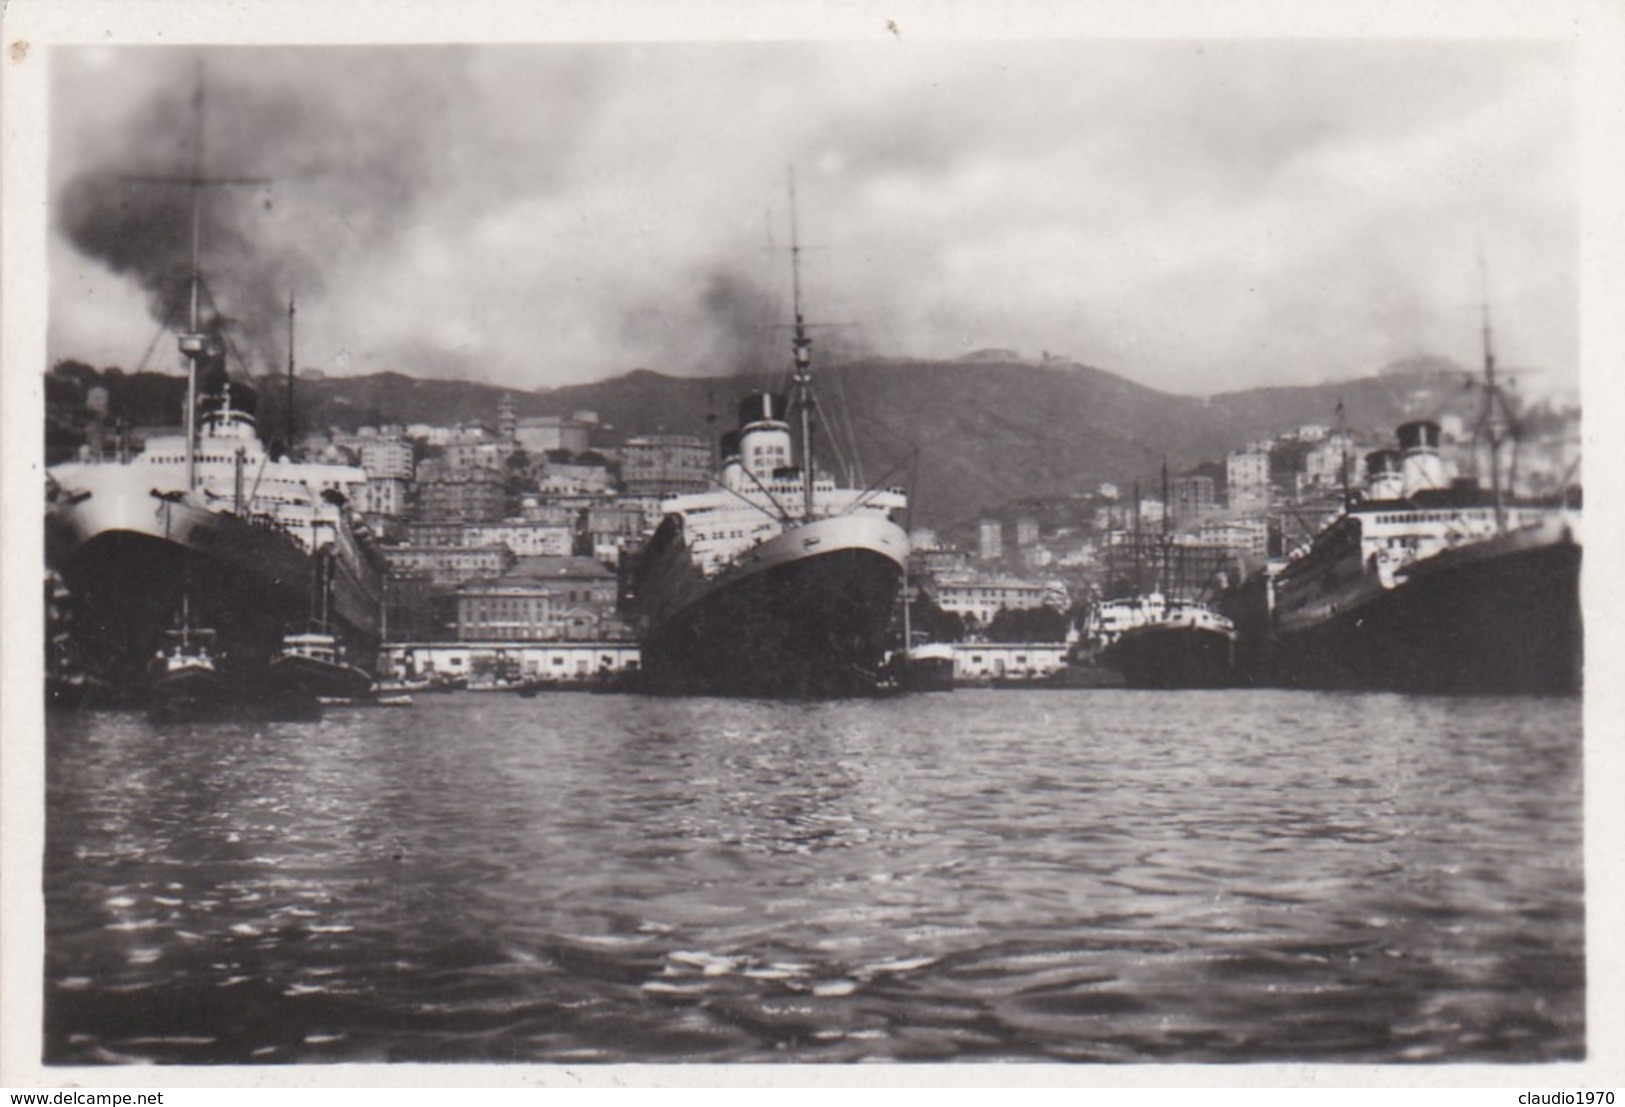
1197, 216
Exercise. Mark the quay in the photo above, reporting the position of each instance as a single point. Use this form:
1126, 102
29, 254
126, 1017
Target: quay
985, 662
566, 662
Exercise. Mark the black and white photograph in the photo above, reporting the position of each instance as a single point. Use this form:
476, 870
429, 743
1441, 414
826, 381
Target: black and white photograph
874, 544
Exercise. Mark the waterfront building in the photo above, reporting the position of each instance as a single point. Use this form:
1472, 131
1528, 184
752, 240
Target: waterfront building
666, 464
519, 658
980, 661
542, 598
982, 598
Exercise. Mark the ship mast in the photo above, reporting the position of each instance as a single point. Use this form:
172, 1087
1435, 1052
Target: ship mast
801, 373
290, 375
193, 342
1167, 540
1491, 398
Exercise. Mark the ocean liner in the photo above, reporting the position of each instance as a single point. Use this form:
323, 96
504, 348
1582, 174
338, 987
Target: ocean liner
212, 521
209, 522
1424, 583
777, 582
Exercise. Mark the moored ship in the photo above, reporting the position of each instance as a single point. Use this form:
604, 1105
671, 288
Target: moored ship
1156, 641
207, 520
1428, 583
132, 539
1161, 639
777, 582
1423, 585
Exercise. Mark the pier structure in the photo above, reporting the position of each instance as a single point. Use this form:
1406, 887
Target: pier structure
561, 661
975, 662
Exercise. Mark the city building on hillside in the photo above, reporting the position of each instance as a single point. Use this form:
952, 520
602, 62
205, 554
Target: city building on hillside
436, 534
447, 565
982, 599
1026, 531
990, 539
1307, 432
1247, 475
469, 496
938, 561
537, 434
666, 464
1193, 498
388, 497
523, 539
651, 507
1250, 536
1171, 564
923, 538
386, 458
1328, 464
478, 454
544, 509
573, 478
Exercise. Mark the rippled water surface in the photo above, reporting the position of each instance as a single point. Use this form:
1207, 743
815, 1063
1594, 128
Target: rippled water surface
982, 875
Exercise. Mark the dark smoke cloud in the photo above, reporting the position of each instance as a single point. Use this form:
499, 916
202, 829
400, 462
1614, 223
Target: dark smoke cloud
745, 323
343, 159
1193, 215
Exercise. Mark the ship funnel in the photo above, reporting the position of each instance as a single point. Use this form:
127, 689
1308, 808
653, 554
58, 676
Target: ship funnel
1423, 467
761, 407
1384, 474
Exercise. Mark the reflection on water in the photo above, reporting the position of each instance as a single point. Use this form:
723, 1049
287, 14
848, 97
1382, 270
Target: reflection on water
1089, 875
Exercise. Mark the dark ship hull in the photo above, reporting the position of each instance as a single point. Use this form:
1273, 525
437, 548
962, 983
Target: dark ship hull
319, 679
1500, 616
806, 614
127, 565
1168, 657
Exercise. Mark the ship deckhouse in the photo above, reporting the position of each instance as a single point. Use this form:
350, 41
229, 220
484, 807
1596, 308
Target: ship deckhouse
760, 491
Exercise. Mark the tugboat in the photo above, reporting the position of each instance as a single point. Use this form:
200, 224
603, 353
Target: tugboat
312, 661
778, 582
186, 683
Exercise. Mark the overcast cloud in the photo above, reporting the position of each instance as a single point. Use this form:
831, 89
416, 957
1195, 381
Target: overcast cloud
1195, 216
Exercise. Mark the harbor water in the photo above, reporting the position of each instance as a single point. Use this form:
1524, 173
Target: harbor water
1045, 875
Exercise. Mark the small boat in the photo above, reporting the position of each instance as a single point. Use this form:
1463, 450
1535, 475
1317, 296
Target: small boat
313, 661
186, 682
926, 667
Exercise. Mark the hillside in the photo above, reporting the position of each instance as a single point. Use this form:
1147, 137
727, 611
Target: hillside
988, 432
